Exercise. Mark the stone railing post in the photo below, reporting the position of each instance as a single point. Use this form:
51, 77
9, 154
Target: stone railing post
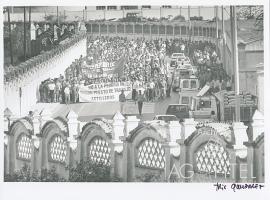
189, 126
174, 148
45, 116
36, 141
7, 119
118, 127
131, 123
117, 140
257, 130
257, 124
37, 128
73, 127
175, 135
7, 123
240, 132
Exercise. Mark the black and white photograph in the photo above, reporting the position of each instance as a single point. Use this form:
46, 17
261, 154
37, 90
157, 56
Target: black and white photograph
132, 93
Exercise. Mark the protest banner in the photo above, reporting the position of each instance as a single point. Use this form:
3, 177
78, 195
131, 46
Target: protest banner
104, 92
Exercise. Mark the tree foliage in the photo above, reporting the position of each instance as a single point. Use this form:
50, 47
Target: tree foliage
88, 171
25, 175
84, 171
252, 12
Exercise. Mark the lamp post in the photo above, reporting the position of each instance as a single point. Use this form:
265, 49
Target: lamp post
24, 33
10, 39
233, 20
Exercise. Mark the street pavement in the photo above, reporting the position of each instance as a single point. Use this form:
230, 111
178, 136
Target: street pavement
89, 111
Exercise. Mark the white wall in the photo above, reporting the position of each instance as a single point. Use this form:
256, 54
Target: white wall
30, 82
260, 87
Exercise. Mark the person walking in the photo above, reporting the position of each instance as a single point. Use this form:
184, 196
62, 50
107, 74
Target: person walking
140, 100
122, 100
57, 91
67, 94
51, 87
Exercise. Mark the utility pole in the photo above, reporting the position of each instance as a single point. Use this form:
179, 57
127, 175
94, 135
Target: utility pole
30, 31
57, 13
216, 15
235, 61
24, 33
86, 13
10, 39
199, 11
160, 13
180, 10
223, 39
189, 30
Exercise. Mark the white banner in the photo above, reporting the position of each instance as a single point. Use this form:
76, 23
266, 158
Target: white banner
104, 92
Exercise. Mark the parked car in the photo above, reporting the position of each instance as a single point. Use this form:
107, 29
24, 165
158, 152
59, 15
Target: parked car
166, 118
179, 110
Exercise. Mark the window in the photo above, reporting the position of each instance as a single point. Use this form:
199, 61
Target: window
205, 104
100, 7
185, 100
99, 151
111, 7
193, 84
58, 149
185, 84
166, 6
24, 146
129, 7
146, 7
212, 158
150, 153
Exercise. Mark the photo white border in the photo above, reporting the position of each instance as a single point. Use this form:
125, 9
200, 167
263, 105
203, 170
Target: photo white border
132, 191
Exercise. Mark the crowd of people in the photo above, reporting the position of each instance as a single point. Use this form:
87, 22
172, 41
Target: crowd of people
59, 90
144, 66
63, 89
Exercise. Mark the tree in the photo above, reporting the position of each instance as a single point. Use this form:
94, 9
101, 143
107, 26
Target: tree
179, 18
252, 12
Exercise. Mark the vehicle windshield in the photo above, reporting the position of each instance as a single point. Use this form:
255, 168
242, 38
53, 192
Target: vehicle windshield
168, 118
178, 108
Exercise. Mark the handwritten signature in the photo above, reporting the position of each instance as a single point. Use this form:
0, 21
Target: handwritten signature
238, 186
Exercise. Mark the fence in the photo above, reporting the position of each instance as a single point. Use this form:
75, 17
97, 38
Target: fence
186, 152
21, 89
198, 30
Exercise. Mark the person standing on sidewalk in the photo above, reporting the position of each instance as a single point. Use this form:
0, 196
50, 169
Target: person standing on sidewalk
140, 100
122, 100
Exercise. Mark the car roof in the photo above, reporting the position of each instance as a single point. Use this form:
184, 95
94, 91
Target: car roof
178, 105
165, 116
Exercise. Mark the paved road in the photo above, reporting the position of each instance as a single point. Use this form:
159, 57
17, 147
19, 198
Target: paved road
89, 111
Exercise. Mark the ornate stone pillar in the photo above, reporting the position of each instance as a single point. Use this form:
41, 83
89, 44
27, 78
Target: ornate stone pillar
45, 116
131, 123
189, 126
117, 145
73, 127
175, 134
240, 132
74, 130
257, 124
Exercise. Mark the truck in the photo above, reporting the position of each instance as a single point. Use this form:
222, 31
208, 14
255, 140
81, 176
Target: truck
221, 105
